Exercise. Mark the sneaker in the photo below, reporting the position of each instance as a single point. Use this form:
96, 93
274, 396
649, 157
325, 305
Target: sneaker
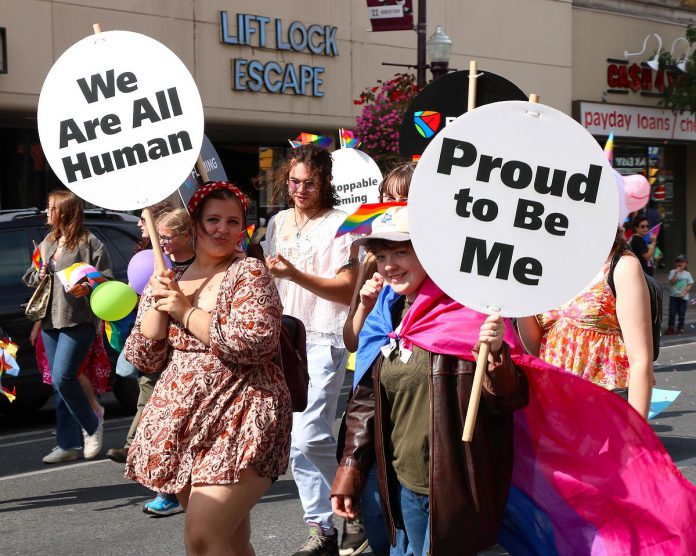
93, 442
319, 544
669, 331
162, 507
58, 455
118, 455
354, 539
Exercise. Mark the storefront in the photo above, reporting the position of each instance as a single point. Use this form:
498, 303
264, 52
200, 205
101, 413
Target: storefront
267, 70
620, 95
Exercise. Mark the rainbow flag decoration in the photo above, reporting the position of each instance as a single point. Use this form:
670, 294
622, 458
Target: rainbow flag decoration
304, 138
78, 272
36, 257
246, 237
8, 365
348, 138
609, 149
596, 483
117, 332
360, 222
652, 232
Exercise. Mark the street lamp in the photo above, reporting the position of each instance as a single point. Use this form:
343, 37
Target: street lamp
653, 63
439, 47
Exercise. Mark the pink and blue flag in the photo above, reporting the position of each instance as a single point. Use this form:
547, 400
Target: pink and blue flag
653, 232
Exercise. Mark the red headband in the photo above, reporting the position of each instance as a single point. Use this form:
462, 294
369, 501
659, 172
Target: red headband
209, 187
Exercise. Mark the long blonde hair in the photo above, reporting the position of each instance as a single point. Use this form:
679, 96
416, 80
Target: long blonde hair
68, 220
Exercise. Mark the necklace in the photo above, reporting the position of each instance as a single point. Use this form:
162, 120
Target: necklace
299, 228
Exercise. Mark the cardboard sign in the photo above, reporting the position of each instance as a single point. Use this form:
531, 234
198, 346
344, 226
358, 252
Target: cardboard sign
120, 120
513, 206
213, 165
443, 100
356, 178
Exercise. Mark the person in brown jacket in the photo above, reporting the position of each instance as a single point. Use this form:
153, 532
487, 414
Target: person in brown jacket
440, 495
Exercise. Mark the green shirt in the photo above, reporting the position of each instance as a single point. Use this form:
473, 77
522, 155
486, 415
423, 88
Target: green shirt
407, 393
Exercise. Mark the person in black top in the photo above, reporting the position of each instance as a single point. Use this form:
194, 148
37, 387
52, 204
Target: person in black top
643, 251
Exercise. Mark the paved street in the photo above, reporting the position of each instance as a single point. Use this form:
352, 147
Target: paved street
88, 508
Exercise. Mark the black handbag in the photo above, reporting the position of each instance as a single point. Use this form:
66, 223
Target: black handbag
292, 357
38, 303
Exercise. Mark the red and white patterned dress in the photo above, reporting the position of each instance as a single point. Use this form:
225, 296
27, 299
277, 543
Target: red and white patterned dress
216, 409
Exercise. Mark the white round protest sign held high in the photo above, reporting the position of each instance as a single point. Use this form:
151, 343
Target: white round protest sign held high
513, 206
356, 178
120, 120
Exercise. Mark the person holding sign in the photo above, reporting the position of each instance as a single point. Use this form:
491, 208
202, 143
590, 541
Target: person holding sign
419, 348
216, 430
604, 338
304, 256
69, 326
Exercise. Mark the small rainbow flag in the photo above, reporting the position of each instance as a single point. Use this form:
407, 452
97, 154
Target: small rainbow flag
304, 138
36, 257
350, 141
77, 272
8, 365
246, 237
609, 149
117, 331
360, 222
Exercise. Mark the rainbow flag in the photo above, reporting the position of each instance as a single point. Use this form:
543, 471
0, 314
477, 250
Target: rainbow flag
350, 141
652, 232
609, 149
117, 331
304, 138
246, 237
78, 272
591, 477
36, 257
360, 222
8, 365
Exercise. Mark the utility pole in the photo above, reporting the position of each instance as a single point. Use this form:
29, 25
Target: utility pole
421, 30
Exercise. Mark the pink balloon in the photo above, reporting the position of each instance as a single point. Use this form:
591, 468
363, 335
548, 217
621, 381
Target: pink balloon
637, 191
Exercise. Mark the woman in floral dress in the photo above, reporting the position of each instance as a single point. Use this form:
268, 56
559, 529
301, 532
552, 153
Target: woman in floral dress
604, 338
216, 430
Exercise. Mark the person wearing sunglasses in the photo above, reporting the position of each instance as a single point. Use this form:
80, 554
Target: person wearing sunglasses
316, 286
644, 251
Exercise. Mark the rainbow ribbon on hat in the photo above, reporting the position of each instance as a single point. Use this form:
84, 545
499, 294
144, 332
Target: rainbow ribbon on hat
609, 149
304, 138
360, 222
78, 272
348, 138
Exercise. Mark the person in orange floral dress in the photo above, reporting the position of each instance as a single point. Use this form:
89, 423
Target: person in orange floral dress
605, 339
216, 430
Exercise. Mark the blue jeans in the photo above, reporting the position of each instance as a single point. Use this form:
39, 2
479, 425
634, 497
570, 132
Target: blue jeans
373, 518
313, 446
677, 311
66, 348
414, 539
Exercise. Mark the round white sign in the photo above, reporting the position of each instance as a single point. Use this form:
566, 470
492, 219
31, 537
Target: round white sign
356, 178
120, 120
513, 206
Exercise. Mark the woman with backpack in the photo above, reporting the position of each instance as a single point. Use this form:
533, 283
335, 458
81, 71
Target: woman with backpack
603, 337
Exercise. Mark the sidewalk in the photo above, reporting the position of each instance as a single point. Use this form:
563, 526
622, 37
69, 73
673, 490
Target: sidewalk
690, 321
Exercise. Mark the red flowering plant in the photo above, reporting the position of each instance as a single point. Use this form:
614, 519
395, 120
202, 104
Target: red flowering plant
383, 109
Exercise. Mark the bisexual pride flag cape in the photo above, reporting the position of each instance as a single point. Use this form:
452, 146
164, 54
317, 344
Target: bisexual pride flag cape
590, 477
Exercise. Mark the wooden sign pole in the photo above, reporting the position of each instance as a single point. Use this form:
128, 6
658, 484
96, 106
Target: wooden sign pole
485, 347
201, 169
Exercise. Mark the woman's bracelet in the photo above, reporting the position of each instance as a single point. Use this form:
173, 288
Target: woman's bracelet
187, 316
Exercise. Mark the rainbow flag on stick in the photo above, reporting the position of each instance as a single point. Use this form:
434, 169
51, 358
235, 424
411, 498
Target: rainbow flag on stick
348, 138
246, 237
36, 257
360, 222
8, 365
609, 149
304, 138
78, 272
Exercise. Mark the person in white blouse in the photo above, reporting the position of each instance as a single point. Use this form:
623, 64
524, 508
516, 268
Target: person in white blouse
316, 284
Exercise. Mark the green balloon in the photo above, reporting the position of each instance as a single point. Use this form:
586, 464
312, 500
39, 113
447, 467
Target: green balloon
113, 300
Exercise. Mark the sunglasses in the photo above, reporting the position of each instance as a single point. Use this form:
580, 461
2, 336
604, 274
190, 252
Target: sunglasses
644, 226
309, 185
167, 239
